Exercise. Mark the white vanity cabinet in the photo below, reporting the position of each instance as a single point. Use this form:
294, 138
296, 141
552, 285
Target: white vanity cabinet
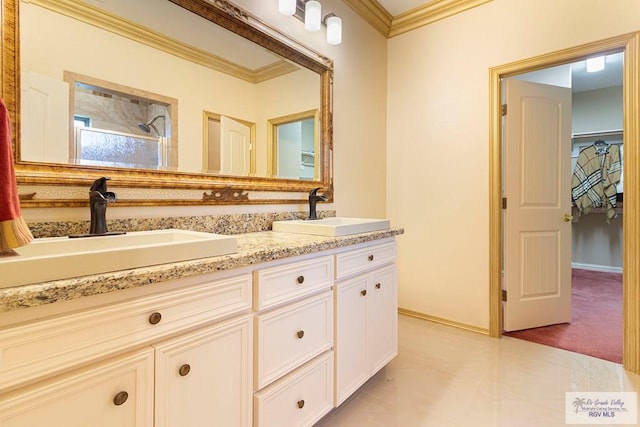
366, 315
81, 371
279, 343
114, 392
293, 342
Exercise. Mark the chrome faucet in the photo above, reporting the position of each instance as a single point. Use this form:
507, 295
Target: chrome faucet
313, 199
98, 199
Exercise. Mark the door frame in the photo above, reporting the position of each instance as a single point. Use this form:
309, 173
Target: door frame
629, 44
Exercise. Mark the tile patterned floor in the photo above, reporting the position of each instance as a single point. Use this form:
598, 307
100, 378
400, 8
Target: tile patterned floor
444, 376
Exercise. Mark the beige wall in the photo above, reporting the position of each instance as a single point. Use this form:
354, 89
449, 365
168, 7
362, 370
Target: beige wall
597, 110
359, 121
438, 149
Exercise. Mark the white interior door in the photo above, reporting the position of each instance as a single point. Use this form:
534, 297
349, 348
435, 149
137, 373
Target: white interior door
537, 235
45, 119
235, 147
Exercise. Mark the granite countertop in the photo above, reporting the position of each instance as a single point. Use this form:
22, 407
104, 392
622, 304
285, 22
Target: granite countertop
253, 248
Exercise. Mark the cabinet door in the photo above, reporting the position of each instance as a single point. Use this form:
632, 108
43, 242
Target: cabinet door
382, 313
204, 378
118, 392
352, 362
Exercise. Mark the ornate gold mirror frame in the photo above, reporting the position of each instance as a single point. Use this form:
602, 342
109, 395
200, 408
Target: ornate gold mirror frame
141, 186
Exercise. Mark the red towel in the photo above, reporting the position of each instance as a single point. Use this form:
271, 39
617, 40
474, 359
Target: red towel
14, 231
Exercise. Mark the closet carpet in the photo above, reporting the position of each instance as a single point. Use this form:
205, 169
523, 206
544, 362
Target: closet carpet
596, 326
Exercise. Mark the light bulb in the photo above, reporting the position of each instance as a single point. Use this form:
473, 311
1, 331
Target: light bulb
287, 7
595, 64
334, 30
312, 15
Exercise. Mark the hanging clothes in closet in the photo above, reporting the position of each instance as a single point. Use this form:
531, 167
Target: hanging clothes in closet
595, 177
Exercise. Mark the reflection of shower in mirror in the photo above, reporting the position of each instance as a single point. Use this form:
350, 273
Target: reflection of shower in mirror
146, 127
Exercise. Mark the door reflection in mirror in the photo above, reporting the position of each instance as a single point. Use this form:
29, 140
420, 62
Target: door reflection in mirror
228, 146
293, 146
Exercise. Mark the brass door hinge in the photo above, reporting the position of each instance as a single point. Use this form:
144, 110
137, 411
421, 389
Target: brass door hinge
504, 295
504, 109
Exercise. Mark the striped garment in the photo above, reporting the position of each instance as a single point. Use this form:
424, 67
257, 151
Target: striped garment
594, 180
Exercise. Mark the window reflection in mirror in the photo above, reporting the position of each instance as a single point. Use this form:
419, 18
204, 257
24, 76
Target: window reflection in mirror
228, 146
110, 125
293, 144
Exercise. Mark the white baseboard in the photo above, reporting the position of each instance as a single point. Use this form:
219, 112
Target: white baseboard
596, 267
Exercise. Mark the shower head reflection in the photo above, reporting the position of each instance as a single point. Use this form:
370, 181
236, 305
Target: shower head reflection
146, 127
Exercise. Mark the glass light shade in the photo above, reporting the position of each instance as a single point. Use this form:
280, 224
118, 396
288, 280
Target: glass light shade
334, 30
287, 7
595, 64
312, 15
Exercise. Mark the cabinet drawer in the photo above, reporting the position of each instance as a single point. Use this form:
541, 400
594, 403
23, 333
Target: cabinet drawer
116, 392
41, 348
299, 399
360, 260
287, 282
292, 335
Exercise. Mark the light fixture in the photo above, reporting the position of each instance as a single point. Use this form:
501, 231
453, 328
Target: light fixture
595, 64
334, 29
287, 7
312, 15
310, 12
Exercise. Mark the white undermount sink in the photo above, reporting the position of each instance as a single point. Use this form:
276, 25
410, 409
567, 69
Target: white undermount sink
332, 226
56, 258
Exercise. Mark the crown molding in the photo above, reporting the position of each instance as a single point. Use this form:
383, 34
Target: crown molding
373, 13
390, 26
430, 12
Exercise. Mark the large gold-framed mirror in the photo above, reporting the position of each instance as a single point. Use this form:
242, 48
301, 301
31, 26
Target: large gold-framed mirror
129, 27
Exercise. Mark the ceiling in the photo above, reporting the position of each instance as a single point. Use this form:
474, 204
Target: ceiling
611, 75
397, 7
